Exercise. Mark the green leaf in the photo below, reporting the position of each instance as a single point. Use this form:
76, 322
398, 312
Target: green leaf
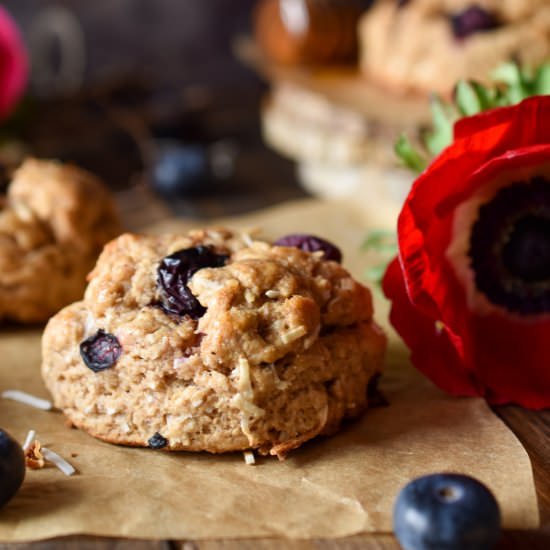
485, 96
507, 73
375, 273
541, 85
466, 99
501, 100
513, 83
443, 120
377, 238
409, 155
511, 75
382, 241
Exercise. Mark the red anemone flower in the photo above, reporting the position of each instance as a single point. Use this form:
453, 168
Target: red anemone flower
13, 64
470, 288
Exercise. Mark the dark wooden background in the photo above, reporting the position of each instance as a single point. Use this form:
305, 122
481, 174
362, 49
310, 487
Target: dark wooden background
171, 42
153, 69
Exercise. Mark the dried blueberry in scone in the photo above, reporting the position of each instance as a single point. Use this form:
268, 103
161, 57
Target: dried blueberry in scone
428, 45
471, 20
311, 243
54, 222
173, 274
282, 348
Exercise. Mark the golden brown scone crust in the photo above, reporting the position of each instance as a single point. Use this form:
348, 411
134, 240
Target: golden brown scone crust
412, 48
284, 352
54, 222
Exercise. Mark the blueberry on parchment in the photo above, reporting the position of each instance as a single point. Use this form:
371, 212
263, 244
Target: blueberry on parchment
12, 467
446, 512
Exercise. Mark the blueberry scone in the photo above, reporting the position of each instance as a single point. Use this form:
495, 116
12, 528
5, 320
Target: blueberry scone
428, 45
54, 222
212, 341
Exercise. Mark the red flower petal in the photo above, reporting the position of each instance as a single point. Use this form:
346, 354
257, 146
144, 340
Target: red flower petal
13, 64
499, 355
511, 358
520, 123
434, 351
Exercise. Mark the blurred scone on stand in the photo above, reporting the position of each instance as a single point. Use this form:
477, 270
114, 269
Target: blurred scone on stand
320, 111
338, 116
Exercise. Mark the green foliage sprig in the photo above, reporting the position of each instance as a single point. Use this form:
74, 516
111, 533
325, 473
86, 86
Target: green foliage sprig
512, 84
383, 243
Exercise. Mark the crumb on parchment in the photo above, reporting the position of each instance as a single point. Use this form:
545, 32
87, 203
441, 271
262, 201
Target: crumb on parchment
33, 456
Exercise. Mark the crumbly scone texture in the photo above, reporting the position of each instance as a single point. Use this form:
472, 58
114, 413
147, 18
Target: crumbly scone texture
412, 47
284, 352
54, 222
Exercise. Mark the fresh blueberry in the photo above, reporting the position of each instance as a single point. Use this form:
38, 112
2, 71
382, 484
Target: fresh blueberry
180, 169
310, 243
12, 467
173, 274
471, 20
100, 351
446, 512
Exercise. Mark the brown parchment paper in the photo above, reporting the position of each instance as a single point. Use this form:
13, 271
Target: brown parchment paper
331, 487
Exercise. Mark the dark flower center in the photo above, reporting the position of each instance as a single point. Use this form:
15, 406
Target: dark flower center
510, 247
471, 20
526, 255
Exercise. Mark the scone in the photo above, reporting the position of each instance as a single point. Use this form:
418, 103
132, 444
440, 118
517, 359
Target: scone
54, 222
212, 341
428, 45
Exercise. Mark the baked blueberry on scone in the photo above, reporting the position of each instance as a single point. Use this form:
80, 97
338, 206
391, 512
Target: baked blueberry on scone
212, 341
428, 45
54, 222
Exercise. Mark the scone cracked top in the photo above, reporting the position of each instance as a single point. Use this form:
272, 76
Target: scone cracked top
54, 222
214, 342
